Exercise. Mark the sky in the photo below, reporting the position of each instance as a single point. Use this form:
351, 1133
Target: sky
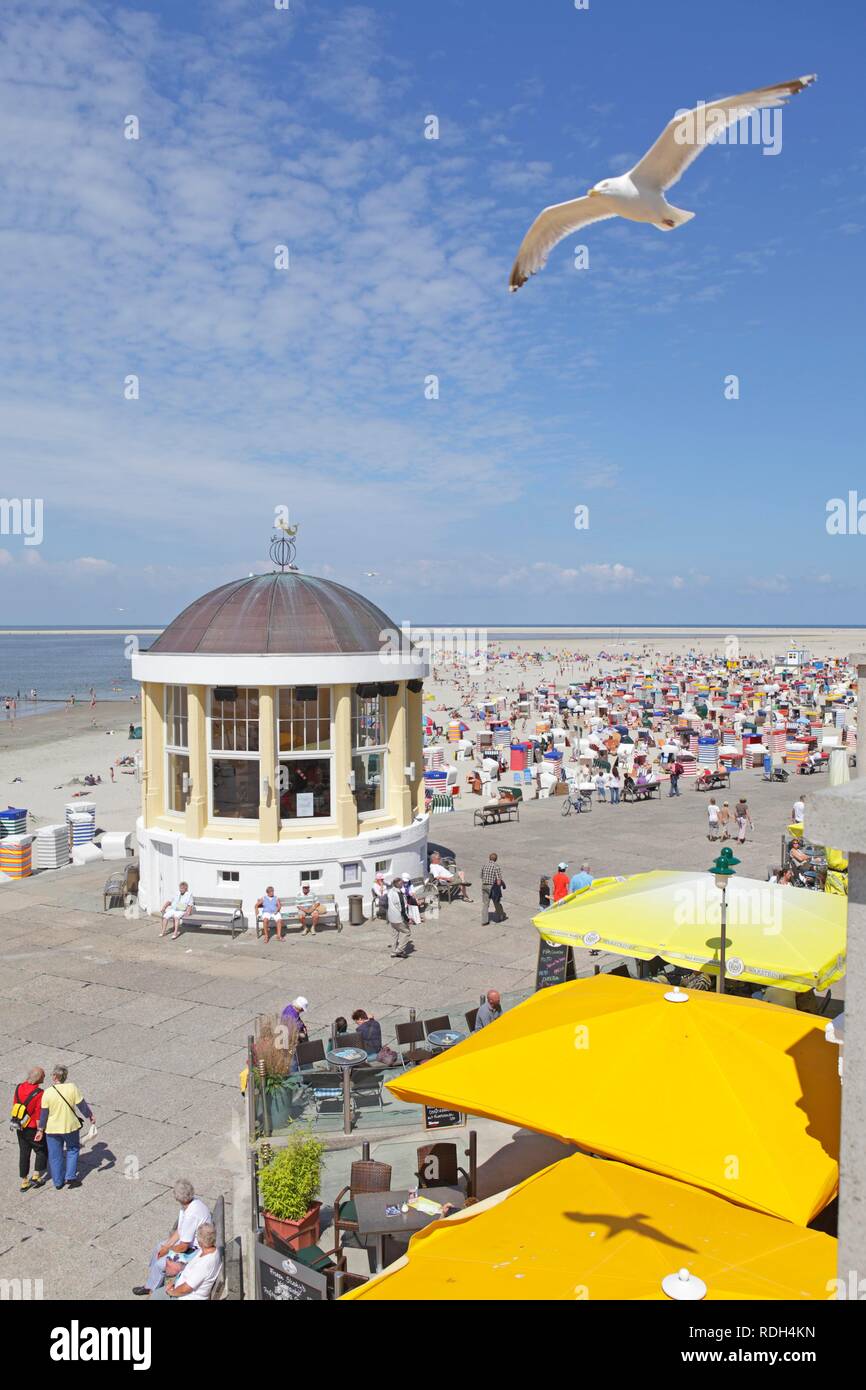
309, 387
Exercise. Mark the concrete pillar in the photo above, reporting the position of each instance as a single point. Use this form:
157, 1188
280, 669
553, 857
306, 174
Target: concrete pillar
197, 806
269, 801
415, 746
399, 792
153, 759
345, 809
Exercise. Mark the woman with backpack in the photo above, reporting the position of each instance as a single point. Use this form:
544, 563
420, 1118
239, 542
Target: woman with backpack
26, 1104
60, 1120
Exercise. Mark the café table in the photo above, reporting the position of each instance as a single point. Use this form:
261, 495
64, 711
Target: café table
443, 1038
346, 1058
372, 1221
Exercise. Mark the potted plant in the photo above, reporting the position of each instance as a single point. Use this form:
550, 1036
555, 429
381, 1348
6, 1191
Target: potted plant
274, 1050
289, 1185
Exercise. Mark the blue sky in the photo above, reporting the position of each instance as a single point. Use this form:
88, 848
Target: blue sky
260, 387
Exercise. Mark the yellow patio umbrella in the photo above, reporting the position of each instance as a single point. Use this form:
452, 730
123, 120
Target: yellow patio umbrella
588, 1229
729, 1094
776, 935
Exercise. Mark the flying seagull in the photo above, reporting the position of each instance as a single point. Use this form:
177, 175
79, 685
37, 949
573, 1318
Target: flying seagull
639, 195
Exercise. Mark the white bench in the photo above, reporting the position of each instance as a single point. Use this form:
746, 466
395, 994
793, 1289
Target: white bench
328, 917
220, 913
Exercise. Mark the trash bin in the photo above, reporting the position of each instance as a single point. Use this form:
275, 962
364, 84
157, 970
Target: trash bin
356, 910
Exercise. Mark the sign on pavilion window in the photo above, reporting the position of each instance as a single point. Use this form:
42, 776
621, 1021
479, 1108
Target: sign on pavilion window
303, 735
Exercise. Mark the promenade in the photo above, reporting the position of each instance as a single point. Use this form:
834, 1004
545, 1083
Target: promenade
154, 1030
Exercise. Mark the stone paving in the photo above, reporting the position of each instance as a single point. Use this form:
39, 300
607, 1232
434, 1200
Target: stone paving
154, 1030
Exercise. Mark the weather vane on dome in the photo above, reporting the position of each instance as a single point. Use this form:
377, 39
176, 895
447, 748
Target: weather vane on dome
283, 547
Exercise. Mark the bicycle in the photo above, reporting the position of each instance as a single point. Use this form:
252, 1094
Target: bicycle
577, 802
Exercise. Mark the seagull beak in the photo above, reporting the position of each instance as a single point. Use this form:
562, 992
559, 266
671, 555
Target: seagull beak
591, 193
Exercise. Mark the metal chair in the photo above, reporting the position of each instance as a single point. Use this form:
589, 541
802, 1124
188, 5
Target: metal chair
327, 1262
435, 1025
470, 1019
309, 1053
365, 1081
326, 1088
438, 1167
411, 1033
365, 1175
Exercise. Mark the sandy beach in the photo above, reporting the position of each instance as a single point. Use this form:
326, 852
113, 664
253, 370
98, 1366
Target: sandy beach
47, 751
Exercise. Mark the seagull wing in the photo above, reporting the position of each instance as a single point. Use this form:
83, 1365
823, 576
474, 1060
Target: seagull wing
550, 227
687, 134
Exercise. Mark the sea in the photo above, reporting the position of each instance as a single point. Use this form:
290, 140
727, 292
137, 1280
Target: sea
59, 664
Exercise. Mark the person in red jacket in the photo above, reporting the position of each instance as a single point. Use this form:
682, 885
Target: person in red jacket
560, 883
29, 1094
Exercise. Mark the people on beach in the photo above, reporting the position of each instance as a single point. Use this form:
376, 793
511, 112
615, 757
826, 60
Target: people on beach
182, 1245
489, 1011
712, 820
370, 1031
309, 910
492, 887
26, 1107
725, 820
63, 1110
582, 879
270, 914
560, 882
743, 818
398, 920
175, 909
196, 1278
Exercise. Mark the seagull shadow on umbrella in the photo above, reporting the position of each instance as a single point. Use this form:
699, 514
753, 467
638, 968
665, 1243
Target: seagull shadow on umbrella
624, 1225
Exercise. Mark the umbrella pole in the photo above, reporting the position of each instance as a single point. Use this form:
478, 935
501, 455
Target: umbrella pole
720, 983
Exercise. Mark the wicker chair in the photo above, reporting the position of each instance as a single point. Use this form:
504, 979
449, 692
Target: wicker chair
366, 1176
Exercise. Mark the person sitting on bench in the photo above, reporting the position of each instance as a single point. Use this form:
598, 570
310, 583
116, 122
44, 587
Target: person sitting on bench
308, 910
176, 908
270, 908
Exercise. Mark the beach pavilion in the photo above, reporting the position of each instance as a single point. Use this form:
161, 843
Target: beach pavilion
282, 744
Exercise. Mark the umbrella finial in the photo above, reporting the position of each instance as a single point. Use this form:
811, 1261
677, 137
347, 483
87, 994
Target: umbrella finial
676, 996
684, 1287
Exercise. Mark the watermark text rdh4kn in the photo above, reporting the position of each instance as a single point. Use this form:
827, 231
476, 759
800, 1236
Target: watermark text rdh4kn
22, 516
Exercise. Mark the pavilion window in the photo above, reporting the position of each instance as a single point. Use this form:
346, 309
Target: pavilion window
233, 755
304, 751
368, 753
177, 784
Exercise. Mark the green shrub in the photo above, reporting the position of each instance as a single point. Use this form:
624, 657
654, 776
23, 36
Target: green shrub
290, 1183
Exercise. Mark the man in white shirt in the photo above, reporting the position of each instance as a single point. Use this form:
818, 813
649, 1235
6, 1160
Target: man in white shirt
395, 920
443, 875
799, 811
183, 1243
176, 908
197, 1278
712, 820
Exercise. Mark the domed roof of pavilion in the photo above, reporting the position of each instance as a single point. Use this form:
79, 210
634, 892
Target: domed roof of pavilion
285, 613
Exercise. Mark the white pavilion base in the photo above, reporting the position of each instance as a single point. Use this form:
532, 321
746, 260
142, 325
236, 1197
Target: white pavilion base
167, 858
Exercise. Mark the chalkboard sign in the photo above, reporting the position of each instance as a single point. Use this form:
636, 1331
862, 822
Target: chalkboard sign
555, 964
280, 1279
437, 1118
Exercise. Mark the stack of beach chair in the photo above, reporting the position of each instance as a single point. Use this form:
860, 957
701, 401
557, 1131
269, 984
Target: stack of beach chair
81, 817
51, 849
16, 856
